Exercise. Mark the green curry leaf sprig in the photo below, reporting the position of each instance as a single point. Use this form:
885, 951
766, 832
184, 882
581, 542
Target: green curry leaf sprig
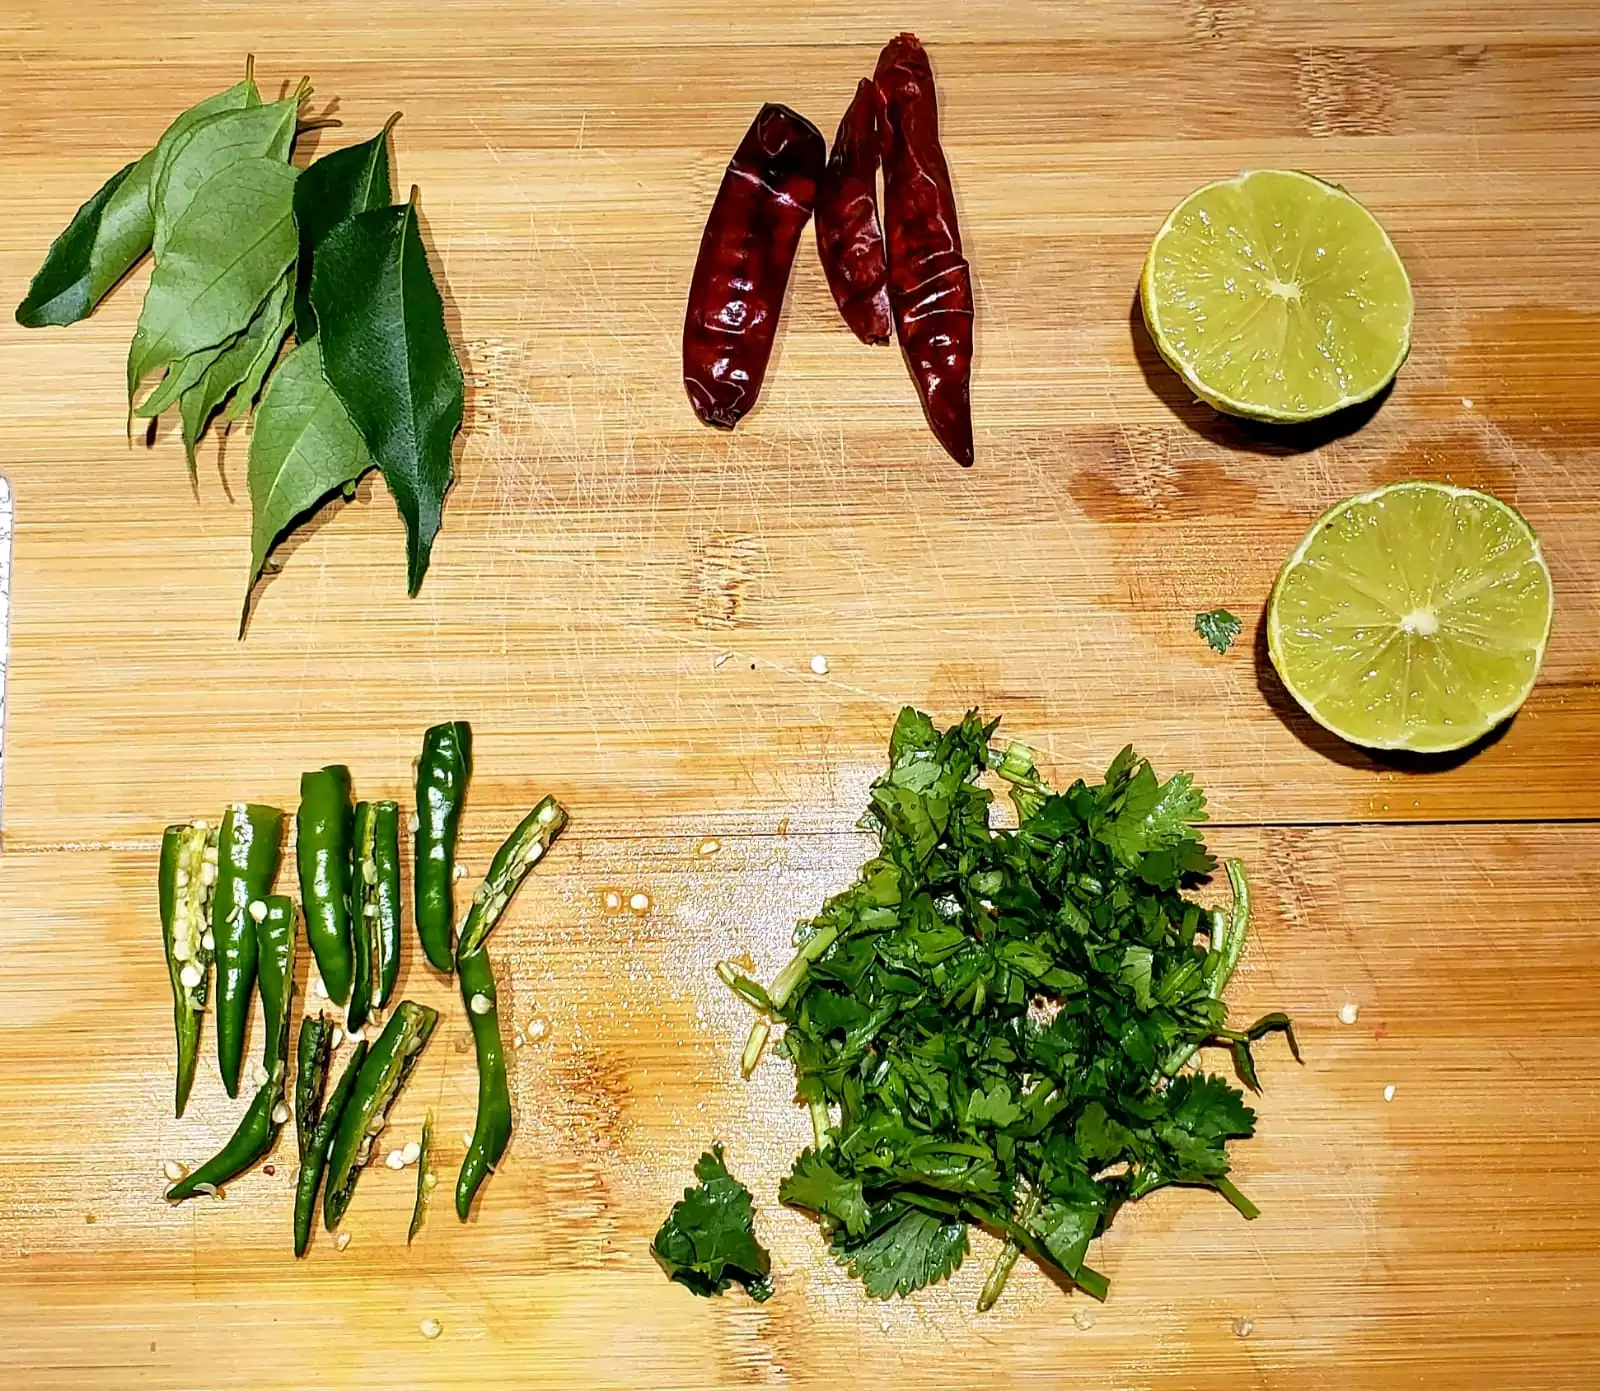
992, 1026
237, 231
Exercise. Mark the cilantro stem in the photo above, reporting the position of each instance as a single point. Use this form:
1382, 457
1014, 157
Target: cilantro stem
760, 1032
1006, 1261
788, 980
1228, 933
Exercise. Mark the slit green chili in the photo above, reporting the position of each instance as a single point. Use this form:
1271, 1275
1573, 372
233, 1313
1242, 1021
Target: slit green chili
312, 1054
248, 849
322, 852
386, 863
419, 1204
187, 868
388, 1064
512, 863
363, 946
275, 943
268, 1110
491, 1132
443, 772
314, 1159
374, 908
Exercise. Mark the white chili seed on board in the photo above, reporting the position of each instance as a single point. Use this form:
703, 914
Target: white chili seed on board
414, 824
709, 846
280, 1114
336, 1037
173, 1170
538, 1029
612, 900
395, 1160
461, 871
1349, 1012
1388, 1092
640, 903
819, 665
1243, 1327
412, 1152
317, 988
430, 1328
342, 1240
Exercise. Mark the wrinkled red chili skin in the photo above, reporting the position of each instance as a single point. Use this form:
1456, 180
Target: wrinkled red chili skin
849, 234
930, 286
746, 252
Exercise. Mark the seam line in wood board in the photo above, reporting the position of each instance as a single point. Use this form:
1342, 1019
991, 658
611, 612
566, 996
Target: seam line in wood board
80, 847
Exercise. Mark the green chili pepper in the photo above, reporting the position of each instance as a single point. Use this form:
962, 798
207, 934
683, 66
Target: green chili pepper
250, 1142
363, 934
386, 861
383, 1074
248, 848
512, 862
312, 1053
323, 854
314, 1158
442, 775
374, 908
275, 941
187, 869
419, 1204
491, 1133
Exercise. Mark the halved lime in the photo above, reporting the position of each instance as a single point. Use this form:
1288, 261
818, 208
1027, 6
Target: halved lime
1277, 296
1412, 617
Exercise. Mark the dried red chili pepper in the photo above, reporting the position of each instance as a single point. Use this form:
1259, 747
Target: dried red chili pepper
849, 235
745, 254
930, 286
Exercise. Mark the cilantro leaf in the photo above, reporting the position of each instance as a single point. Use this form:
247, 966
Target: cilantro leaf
914, 1249
817, 1186
1218, 627
708, 1239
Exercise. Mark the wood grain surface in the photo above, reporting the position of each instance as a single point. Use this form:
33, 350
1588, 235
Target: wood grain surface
625, 605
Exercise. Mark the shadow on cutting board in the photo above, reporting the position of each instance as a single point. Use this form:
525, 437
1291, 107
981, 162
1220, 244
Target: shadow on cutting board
1234, 432
1330, 746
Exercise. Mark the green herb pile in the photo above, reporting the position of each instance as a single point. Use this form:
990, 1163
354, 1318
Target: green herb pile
992, 1026
708, 1240
248, 248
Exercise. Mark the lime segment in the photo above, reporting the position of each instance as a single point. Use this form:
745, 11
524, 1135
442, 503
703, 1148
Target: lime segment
1413, 617
1277, 296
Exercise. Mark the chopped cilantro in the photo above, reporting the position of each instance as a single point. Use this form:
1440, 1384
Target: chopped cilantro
708, 1239
992, 1026
1218, 627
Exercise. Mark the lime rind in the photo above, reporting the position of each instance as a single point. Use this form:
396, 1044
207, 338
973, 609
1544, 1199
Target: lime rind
1302, 356
1429, 645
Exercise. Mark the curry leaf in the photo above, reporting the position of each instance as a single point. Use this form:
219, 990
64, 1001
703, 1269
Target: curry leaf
234, 370
210, 146
110, 232
337, 186
266, 351
302, 448
388, 355
230, 248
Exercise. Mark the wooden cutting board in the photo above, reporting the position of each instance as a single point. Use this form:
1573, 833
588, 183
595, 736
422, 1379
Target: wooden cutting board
626, 606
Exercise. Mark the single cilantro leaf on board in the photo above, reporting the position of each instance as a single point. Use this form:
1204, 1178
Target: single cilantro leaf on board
226, 253
1218, 627
388, 355
339, 185
303, 448
111, 231
708, 1240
